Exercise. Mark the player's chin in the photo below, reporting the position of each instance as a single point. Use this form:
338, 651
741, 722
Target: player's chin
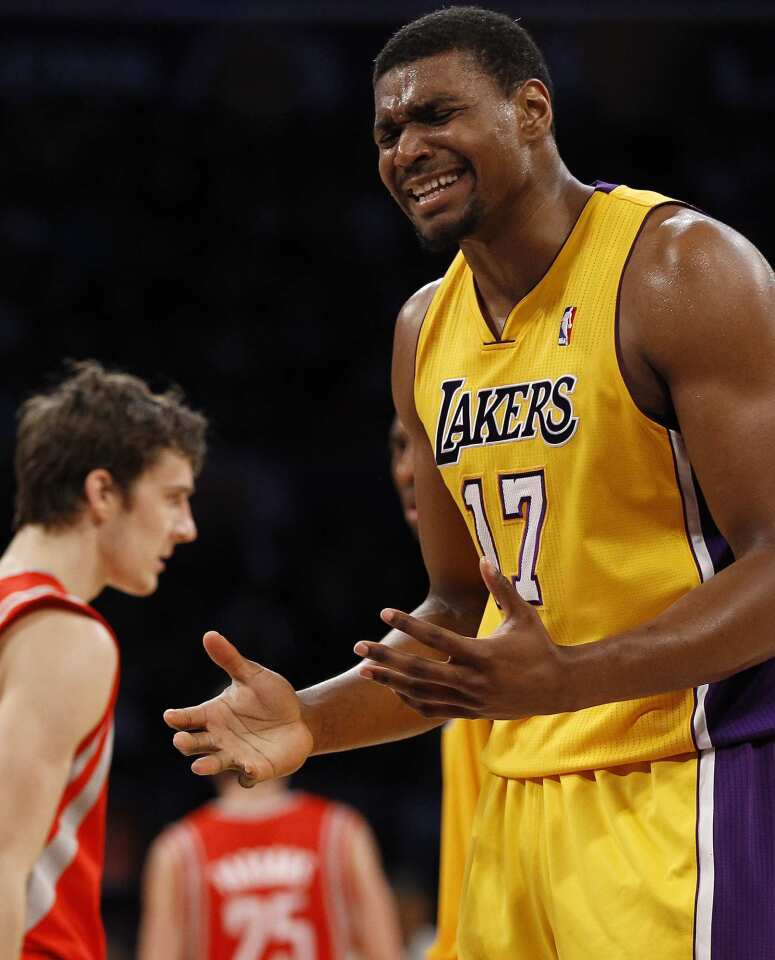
442, 234
139, 585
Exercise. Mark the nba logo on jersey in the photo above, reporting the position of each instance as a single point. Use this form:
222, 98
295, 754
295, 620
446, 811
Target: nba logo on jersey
566, 326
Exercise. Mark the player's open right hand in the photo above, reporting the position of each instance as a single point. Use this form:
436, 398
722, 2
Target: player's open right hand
254, 727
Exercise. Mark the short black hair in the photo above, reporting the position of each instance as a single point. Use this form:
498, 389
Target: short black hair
502, 48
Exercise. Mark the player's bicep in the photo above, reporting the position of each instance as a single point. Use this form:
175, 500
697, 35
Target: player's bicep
718, 360
33, 780
448, 550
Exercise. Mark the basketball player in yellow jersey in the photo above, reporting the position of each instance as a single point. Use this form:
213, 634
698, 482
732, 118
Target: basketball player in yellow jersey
590, 395
462, 742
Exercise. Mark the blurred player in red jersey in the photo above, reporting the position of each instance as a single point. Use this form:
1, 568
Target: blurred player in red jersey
104, 471
267, 874
270, 872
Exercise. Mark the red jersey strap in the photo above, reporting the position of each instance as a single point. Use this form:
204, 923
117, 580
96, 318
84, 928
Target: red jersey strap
32, 590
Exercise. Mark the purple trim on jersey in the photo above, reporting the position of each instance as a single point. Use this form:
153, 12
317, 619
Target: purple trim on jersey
742, 707
605, 187
719, 550
743, 926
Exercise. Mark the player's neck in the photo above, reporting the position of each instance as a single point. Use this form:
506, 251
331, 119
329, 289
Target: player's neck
263, 797
69, 555
514, 254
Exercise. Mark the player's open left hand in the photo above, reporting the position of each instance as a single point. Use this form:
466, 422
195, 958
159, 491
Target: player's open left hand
254, 727
517, 671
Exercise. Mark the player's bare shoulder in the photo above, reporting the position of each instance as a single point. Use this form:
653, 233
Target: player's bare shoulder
63, 662
681, 244
408, 325
692, 279
412, 314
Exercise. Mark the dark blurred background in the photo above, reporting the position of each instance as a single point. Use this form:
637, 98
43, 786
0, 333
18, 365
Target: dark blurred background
190, 193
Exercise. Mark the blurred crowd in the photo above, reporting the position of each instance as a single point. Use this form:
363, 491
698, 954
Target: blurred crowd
199, 203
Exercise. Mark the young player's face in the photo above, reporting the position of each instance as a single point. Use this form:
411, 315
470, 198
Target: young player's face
402, 471
449, 149
139, 537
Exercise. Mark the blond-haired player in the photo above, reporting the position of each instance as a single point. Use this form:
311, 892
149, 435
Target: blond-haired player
104, 472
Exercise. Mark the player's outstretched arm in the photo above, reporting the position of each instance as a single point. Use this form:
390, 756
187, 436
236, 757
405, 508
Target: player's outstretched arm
259, 726
56, 675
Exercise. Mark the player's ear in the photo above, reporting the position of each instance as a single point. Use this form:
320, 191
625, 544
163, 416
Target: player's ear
534, 109
101, 494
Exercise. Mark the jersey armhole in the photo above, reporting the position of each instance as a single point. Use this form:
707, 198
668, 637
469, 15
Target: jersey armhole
670, 420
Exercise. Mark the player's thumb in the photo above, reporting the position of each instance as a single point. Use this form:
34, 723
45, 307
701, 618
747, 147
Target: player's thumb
503, 591
227, 656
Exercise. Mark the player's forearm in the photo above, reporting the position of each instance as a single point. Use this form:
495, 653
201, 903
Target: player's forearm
722, 627
349, 711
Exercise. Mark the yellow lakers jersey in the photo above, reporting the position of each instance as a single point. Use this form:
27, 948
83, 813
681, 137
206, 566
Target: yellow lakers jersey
564, 483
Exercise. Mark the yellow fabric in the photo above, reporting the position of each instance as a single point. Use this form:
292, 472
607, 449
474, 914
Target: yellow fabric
612, 549
584, 866
462, 742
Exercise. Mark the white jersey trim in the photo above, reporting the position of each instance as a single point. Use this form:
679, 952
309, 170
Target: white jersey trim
703, 914
61, 850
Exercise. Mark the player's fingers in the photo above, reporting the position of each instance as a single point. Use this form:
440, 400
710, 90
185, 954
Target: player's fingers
186, 718
212, 764
408, 663
419, 690
190, 744
503, 591
445, 641
228, 657
223, 760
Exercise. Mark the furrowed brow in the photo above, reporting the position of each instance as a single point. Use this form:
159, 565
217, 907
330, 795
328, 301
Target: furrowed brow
420, 110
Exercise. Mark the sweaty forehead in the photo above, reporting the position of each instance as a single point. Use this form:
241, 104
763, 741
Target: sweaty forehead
444, 77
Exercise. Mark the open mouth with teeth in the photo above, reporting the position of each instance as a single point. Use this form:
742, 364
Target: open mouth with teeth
433, 187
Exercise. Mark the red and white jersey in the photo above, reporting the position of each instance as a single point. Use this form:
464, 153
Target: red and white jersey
63, 890
271, 886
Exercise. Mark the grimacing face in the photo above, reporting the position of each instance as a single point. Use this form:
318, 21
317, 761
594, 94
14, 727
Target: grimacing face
139, 537
449, 145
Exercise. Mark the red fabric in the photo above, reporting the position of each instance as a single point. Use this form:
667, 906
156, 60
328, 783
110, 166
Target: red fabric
269, 888
63, 894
